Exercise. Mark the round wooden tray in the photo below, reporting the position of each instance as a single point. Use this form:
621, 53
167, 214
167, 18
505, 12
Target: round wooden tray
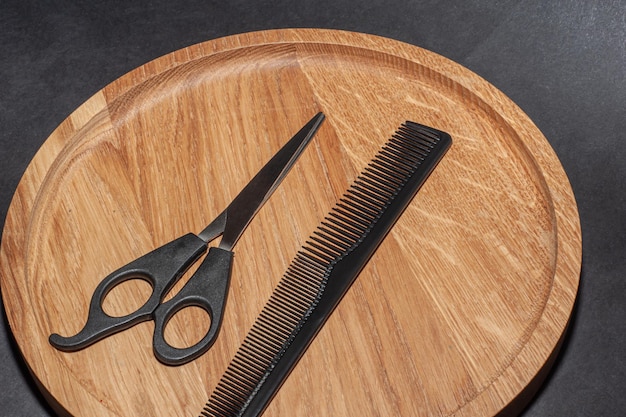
459, 310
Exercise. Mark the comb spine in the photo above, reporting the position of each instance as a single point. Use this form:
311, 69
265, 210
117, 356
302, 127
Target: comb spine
349, 266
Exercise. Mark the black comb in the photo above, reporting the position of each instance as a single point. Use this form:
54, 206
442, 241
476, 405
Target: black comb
324, 269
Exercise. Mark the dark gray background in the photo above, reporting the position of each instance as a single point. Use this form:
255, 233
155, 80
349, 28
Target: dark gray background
562, 62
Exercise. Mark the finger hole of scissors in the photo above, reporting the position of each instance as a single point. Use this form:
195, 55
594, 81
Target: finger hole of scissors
187, 327
127, 297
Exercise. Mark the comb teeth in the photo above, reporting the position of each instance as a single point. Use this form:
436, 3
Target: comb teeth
302, 287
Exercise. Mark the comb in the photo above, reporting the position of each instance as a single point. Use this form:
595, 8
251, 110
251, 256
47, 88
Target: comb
324, 269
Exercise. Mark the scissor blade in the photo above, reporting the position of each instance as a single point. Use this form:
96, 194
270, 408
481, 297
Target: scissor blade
244, 207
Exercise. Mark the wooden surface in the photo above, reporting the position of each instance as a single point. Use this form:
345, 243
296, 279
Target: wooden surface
455, 314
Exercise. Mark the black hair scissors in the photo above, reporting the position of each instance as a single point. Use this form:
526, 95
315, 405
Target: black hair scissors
208, 287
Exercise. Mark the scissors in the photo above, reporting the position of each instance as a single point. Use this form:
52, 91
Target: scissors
163, 267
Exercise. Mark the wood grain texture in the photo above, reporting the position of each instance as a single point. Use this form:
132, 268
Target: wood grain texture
458, 310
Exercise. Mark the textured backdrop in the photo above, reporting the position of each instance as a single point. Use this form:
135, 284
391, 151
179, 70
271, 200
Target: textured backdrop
562, 62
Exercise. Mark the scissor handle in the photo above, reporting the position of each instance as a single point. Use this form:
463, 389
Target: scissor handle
207, 289
161, 268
